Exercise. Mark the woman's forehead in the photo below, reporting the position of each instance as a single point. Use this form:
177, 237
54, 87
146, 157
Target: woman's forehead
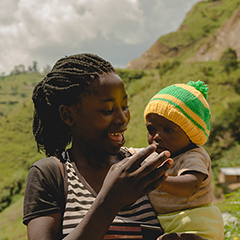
110, 78
109, 84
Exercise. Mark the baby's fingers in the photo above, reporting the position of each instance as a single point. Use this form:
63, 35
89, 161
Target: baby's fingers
154, 163
136, 160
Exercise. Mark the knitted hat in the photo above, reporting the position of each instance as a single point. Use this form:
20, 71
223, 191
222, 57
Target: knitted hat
186, 106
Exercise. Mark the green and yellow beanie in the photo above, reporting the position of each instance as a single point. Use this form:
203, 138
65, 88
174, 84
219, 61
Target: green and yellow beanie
186, 105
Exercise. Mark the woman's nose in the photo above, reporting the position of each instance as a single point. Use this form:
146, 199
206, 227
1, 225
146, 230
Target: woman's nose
121, 117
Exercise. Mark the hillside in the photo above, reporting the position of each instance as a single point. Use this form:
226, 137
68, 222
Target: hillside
15, 90
226, 36
18, 149
209, 28
207, 31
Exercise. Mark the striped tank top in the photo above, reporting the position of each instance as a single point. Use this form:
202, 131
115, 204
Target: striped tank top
80, 197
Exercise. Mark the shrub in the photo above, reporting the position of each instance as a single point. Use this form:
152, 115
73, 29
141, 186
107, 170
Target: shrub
225, 131
231, 228
128, 75
167, 66
229, 60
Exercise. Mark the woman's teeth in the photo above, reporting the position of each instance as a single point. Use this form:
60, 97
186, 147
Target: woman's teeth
118, 137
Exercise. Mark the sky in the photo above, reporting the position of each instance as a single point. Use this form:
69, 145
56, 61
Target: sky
117, 30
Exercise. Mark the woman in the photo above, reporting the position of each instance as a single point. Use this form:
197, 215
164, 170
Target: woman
90, 191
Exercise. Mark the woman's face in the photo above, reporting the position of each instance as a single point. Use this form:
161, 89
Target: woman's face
100, 119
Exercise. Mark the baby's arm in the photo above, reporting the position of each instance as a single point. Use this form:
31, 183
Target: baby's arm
184, 185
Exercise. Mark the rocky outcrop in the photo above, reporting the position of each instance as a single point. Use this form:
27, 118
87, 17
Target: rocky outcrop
228, 35
151, 58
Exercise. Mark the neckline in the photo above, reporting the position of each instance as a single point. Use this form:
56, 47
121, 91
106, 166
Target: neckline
80, 177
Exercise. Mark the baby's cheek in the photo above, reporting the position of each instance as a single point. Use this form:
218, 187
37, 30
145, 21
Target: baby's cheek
150, 139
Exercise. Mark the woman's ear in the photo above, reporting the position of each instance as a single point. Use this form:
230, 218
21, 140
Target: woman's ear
65, 114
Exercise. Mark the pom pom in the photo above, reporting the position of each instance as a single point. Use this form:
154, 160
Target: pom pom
200, 86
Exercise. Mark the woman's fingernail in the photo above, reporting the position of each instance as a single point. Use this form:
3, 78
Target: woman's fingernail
165, 153
170, 161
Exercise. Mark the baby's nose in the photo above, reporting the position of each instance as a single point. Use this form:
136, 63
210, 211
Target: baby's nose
158, 136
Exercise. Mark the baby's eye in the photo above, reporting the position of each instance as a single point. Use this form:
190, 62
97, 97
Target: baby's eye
168, 130
150, 129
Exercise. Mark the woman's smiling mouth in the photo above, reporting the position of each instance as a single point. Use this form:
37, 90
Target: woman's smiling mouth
117, 137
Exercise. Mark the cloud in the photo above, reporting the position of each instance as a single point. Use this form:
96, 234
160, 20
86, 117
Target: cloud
43, 31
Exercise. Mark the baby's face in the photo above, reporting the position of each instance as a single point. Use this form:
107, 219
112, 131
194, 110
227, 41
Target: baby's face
166, 135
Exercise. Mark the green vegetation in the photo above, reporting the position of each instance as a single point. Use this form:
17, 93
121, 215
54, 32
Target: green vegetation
229, 60
201, 22
10, 221
224, 141
222, 86
15, 90
18, 149
231, 205
167, 66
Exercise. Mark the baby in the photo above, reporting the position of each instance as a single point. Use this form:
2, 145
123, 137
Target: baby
177, 120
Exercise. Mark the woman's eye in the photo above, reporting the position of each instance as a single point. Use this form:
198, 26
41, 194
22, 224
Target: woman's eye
124, 108
107, 112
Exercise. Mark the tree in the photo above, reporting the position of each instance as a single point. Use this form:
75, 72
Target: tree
167, 66
34, 67
46, 69
225, 130
18, 69
229, 60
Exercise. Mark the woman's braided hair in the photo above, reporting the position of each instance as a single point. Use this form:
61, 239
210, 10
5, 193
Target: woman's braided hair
69, 77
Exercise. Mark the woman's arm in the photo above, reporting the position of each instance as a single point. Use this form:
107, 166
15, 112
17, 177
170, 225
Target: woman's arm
93, 226
45, 227
125, 182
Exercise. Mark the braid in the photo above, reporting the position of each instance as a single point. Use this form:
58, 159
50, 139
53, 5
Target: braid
69, 77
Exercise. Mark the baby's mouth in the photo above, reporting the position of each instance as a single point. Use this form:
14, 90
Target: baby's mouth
117, 137
160, 149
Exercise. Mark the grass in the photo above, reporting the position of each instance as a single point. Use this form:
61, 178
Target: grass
200, 24
17, 146
220, 85
15, 90
202, 21
232, 205
18, 149
11, 221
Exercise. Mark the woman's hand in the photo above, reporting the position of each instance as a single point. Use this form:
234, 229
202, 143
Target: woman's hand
128, 180
125, 182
